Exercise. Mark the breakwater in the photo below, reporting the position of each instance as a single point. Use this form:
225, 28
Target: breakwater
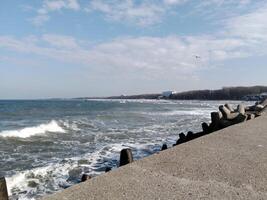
153, 155
228, 164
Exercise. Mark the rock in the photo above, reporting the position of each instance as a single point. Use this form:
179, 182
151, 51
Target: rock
29, 175
83, 162
216, 117
227, 113
205, 128
259, 108
229, 107
3, 189
85, 177
74, 174
264, 102
225, 123
126, 156
190, 135
238, 119
181, 139
108, 169
251, 116
241, 109
164, 147
32, 184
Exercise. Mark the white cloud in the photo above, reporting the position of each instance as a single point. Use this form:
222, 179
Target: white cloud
251, 26
145, 12
174, 2
241, 36
149, 55
148, 12
57, 41
39, 20
52, 6
141, 13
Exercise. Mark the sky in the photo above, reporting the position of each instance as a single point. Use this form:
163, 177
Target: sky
86, 48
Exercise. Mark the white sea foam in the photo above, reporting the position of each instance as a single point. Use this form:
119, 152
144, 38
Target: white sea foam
54, 176
196, 112
52, 126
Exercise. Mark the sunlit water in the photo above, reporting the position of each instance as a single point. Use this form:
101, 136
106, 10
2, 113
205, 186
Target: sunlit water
46, 146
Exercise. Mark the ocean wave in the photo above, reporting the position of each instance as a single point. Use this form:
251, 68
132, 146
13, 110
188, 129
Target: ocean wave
198, 112
52, 126
37, 182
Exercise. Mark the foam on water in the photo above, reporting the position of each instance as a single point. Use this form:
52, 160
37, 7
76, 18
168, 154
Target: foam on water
60, 175
52, 126
97, 132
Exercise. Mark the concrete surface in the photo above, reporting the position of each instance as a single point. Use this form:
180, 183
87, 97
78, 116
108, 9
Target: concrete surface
227, 164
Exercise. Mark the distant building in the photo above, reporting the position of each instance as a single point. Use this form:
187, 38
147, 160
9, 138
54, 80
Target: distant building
168, 93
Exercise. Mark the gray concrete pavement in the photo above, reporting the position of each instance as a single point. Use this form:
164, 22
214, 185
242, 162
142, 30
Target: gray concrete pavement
227, 164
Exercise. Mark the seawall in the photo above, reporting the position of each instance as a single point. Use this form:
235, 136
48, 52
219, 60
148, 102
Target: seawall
228, 164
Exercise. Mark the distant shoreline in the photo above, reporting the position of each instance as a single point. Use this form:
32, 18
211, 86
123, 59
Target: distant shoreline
226, 93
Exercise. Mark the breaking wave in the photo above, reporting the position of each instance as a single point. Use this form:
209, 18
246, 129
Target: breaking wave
52, 126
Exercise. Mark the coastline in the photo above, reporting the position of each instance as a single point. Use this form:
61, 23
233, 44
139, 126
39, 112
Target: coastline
227, 164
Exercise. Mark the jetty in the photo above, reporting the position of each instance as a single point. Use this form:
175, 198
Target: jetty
230, 163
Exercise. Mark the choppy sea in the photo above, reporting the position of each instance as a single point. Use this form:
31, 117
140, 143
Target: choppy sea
46, 145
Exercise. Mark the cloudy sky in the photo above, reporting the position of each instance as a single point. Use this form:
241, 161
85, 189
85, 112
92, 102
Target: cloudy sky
72, 48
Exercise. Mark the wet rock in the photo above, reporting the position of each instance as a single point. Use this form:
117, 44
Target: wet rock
108, 169
83, 162
29, 175
74, 174
101, 169
126, 156
216, 118
190, 135
32, 184
181, 139
164, 147
205, 128
85, 177
3, 189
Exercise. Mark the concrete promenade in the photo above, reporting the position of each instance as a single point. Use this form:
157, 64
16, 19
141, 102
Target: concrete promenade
227, 164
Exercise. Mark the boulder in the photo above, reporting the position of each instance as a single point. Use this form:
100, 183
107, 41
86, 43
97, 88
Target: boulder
227, 114
85, 177
126, 156
181, 139
241, 109
108, 169
251, 116
3, 189
205, 128
215, 121
164, 147
229, 107
32, 184
189, 135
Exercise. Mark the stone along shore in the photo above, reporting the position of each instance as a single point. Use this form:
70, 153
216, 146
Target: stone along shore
230, 163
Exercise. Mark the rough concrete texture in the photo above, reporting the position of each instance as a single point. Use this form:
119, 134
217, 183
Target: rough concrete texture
227, 164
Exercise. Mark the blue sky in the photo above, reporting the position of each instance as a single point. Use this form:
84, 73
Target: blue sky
73, 48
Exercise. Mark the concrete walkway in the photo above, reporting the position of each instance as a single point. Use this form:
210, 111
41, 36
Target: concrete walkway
228, 164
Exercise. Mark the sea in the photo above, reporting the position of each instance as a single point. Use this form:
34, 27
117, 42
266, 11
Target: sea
46, 145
